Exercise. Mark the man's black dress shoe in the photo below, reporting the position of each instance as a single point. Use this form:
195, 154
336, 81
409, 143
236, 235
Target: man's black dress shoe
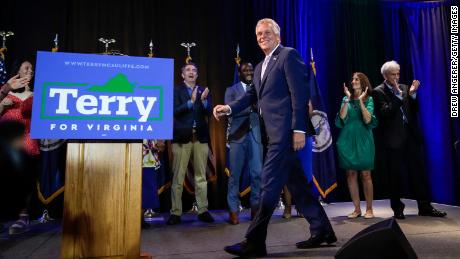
247, 248
173, 220
399, 212
317, 240
399, 215
432, 212
206, 217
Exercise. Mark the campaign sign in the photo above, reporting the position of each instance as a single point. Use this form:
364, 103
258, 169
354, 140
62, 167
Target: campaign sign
89, 96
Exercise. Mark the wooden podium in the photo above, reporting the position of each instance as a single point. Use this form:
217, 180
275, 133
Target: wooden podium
102, 201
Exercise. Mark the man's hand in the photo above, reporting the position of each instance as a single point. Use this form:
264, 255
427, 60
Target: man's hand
396, 86
15, 82
205, 94
220, 111
193, 99
298, 140
414, 87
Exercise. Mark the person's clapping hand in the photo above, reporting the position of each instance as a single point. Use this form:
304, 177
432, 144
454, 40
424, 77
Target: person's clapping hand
414, 87
194, 93
205, 94
363, 94
6, 102
396, 86
346, 91
16, 83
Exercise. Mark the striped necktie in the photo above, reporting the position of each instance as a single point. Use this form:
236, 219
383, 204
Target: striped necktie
264, 66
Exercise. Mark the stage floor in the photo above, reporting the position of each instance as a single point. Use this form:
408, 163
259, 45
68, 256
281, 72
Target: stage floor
430, 237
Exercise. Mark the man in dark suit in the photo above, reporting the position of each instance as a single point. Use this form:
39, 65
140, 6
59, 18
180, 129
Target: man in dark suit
281, 92
400, 140
192, 107
245, 145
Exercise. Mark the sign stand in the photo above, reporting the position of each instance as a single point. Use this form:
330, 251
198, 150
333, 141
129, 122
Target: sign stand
106, 105
102, 201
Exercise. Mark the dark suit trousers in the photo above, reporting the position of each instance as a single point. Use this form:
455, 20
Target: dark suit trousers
282, 167
405, 165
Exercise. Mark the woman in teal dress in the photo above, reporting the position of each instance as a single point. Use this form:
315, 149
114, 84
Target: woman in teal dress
355, 144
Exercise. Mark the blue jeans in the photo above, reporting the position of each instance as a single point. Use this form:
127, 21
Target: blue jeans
251, 151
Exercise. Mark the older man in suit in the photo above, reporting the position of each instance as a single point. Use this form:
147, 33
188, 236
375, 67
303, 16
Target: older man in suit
400, 141
282, 94
245, 145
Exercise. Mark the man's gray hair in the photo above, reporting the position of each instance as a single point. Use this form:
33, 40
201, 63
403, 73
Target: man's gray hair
275, 26
389, 66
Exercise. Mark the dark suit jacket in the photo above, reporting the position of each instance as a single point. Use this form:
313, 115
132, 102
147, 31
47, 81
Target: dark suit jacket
241, 123
392, 128
184, 117
282, 96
